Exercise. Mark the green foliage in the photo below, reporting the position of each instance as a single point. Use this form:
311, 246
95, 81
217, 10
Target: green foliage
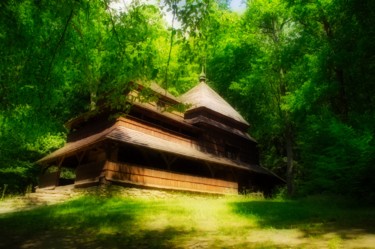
295, 68
25, 137
340, 164
56, 59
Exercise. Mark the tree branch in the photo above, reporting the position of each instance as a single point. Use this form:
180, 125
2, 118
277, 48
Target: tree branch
59, 43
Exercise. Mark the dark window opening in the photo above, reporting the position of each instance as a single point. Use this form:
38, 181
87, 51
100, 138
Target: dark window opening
191, 167
131, 155
232, 152
224, 173
156, 120
141, 157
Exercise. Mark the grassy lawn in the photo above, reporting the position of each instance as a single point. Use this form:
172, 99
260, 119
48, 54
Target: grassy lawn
190, 221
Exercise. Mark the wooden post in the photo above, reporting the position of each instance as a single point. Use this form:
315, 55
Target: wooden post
80, 157
235, 177
168, 159
59, 170
210, 168
111, 151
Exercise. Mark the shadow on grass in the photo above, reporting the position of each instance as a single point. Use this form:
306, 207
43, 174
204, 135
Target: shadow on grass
100, 222
82, 239
84, 223
313, 218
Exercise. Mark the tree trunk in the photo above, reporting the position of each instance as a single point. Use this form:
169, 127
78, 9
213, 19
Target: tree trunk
288, 139
92, 101
343, 101
290, 157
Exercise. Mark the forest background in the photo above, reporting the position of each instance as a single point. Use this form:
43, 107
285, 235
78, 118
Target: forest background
301, 72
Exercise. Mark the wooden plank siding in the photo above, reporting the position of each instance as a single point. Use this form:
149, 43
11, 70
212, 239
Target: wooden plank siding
131, 174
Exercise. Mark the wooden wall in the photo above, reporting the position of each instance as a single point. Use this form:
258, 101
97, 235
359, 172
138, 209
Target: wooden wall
124, 173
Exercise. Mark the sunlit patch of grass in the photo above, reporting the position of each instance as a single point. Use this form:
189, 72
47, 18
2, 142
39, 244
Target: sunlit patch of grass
334, 243
186, 221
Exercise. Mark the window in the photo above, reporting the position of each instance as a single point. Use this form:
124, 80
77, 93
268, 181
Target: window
231, 152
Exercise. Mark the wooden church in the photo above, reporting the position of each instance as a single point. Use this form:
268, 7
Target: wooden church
203, 147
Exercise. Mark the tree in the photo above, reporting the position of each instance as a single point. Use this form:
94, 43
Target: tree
339, 96
56, 58
260, 74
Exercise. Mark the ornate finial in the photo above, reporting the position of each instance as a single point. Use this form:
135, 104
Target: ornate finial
202, 76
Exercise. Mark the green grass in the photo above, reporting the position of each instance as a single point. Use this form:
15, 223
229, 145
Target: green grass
190, 222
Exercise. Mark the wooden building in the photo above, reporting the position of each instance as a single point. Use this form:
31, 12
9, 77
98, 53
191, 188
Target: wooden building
203, 148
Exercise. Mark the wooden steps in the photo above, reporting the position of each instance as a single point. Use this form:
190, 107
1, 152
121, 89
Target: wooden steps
53, 195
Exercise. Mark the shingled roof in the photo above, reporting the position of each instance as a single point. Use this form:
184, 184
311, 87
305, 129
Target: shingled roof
204, 96
130, 136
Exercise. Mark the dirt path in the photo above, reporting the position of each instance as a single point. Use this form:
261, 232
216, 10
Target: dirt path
41, 197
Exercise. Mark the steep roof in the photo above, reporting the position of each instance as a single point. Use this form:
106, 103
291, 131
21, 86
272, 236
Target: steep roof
204, 96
